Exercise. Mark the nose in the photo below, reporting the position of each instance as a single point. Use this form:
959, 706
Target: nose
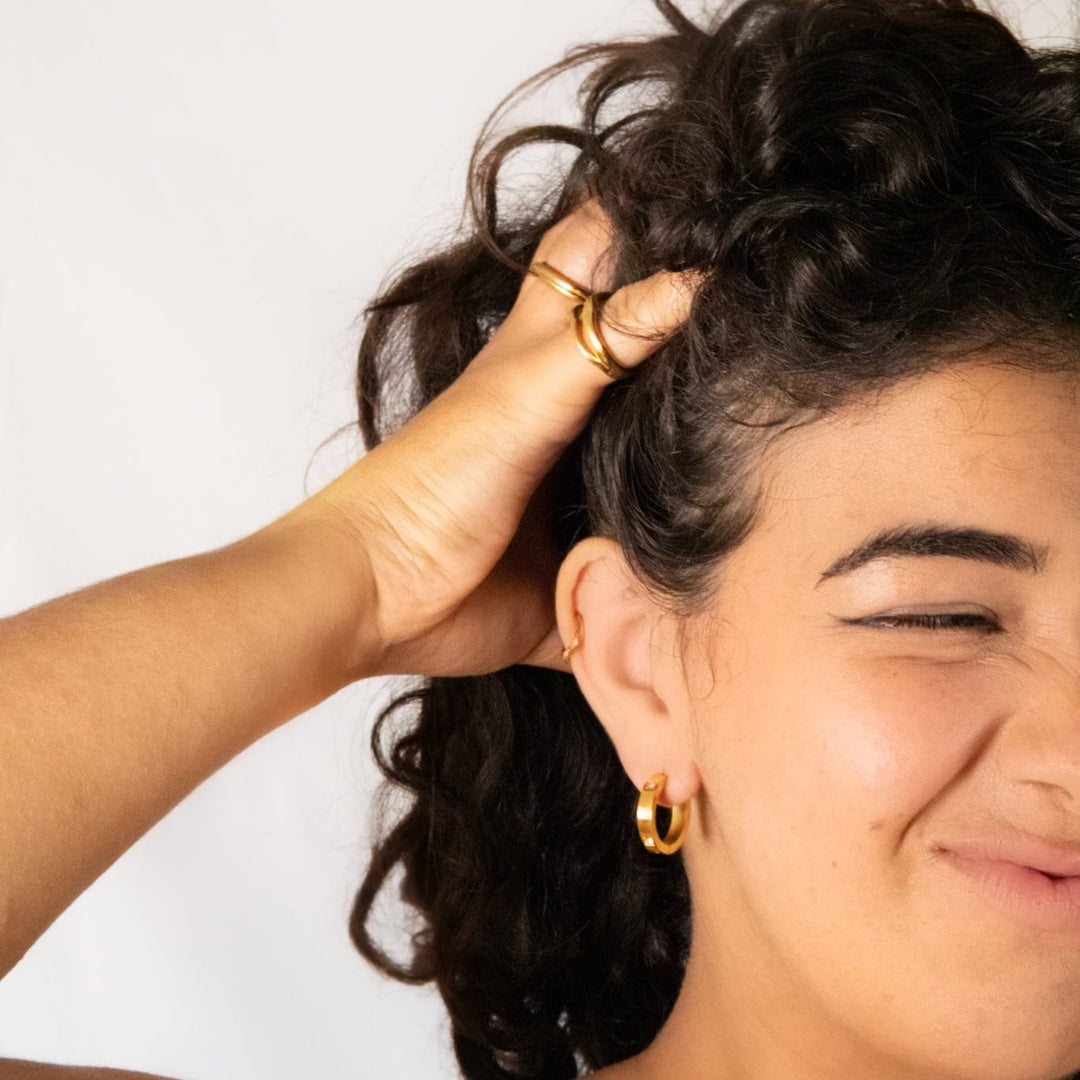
1038, 746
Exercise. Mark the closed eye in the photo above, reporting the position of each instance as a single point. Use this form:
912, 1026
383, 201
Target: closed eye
946, 621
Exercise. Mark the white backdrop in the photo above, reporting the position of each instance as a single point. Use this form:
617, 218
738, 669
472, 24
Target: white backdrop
196, 200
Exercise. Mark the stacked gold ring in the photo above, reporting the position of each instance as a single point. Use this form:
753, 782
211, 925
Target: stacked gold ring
586, 319
559, 282
590, 342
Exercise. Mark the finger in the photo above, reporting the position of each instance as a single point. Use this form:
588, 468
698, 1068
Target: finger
574, 246
634, 321
550, 388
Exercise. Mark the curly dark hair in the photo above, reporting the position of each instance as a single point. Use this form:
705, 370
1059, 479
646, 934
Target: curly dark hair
881, 187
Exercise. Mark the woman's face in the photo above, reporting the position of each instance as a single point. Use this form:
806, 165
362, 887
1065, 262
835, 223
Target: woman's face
836, 753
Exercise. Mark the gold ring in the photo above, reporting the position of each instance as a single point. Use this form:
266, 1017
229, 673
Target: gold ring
559, 282
591, 342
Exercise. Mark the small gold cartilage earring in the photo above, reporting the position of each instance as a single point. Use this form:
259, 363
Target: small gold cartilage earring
576, 642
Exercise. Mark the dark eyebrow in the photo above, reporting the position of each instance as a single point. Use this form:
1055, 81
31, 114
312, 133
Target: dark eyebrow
962, 542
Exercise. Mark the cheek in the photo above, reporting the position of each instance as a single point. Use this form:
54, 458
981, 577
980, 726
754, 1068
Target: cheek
891, 733
888, 734
895, 731
830, 760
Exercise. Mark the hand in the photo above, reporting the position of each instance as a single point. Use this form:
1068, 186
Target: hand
447, 509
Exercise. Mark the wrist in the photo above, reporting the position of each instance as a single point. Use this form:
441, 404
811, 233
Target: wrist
335, 587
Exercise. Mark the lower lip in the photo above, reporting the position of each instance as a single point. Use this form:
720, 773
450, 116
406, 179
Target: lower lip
1024, 893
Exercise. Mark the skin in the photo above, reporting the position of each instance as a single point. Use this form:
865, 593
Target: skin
448, 512
823, 760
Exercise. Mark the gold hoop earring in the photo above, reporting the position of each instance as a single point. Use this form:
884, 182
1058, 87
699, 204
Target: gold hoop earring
646, 818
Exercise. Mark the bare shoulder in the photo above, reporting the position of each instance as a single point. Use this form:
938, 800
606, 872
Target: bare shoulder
12, 1069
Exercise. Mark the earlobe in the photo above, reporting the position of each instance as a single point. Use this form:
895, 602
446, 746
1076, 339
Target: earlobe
618, 663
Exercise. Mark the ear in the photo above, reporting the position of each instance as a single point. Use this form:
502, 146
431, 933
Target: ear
627, 665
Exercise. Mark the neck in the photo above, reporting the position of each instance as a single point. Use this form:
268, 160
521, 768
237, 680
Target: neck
742, 1014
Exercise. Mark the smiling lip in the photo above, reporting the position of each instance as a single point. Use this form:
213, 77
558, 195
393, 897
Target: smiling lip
1023, 894
1021, 849
1028, 877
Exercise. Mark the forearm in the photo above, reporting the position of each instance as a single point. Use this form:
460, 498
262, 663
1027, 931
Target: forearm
21, 1069
118, 700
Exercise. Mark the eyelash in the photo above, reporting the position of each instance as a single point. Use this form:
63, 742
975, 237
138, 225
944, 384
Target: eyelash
942, 621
